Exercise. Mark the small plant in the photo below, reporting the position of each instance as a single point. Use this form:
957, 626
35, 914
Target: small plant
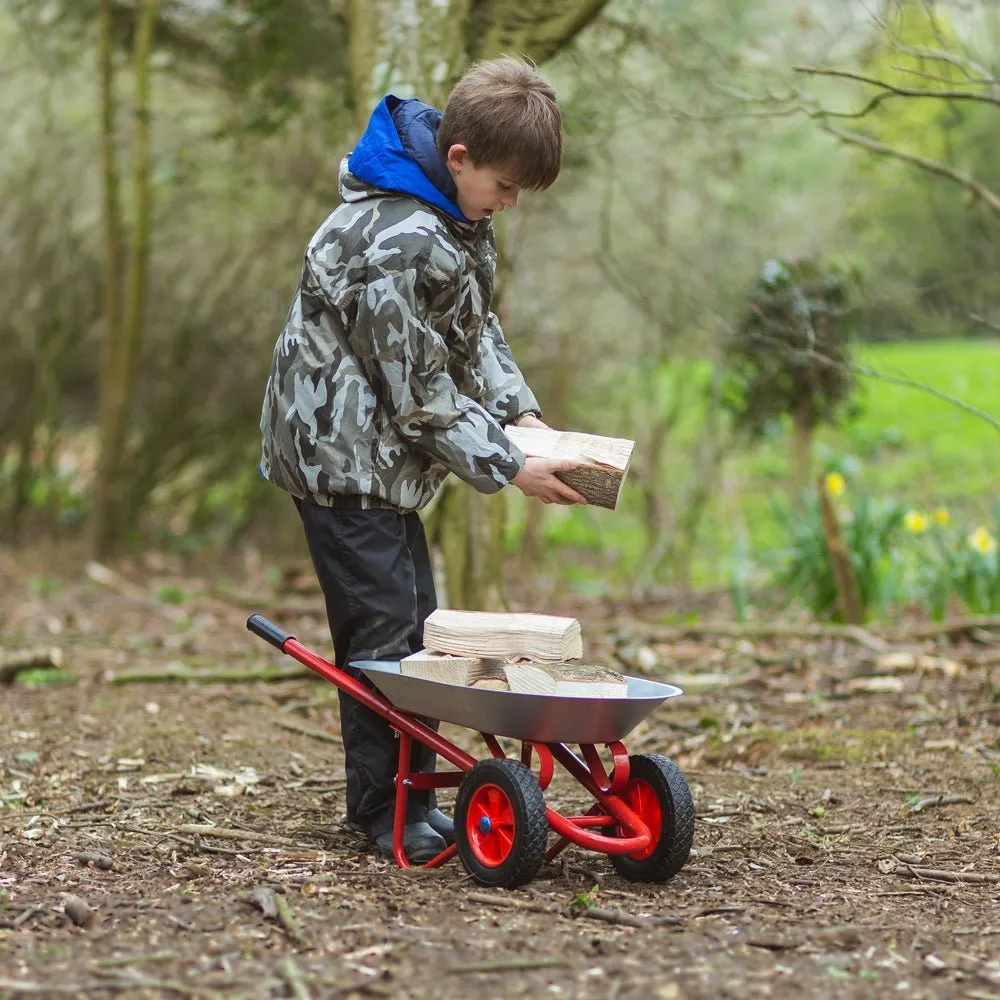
955, 563
870, 530
171, 593
585, 900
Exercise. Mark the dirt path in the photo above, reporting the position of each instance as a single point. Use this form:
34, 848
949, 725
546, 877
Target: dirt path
818, 805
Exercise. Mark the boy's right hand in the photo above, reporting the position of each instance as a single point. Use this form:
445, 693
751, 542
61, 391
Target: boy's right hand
537, 479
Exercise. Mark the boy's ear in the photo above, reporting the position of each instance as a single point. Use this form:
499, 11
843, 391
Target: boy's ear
458, 157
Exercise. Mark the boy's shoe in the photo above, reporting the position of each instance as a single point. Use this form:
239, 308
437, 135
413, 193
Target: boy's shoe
420, 843
441, 824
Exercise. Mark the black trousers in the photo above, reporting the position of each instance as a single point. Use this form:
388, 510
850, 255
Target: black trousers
375, 570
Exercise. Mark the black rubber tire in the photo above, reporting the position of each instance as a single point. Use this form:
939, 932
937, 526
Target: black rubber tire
677, 824
531, 827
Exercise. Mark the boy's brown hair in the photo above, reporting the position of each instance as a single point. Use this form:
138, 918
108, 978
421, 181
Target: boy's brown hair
506, 115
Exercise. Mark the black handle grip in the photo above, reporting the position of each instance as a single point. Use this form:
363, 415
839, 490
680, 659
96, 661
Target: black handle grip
268, 631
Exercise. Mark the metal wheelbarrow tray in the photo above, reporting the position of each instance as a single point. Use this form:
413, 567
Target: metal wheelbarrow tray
642, 816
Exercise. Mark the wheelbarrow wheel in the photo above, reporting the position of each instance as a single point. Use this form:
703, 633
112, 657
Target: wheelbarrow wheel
659, 794
500, 823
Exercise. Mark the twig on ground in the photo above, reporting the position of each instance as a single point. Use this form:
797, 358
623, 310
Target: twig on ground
939, 875
224, 833
507, 965
223, 676
491, 899
22, 918
950, 627
293, 976
298, 727
274, 906
736, 630
939, 800
287, 920
59, 810
625, 919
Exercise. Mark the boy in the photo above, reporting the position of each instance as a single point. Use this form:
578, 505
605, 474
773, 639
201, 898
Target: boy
391, 371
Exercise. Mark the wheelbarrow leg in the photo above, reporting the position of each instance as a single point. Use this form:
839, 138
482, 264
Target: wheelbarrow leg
402, 792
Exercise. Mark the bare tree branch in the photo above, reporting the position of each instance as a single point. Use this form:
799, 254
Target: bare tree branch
983, 321
923, 74
857, 369
932, 166
961, 63
891, 90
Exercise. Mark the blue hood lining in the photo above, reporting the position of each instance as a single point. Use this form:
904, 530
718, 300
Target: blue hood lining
398, 152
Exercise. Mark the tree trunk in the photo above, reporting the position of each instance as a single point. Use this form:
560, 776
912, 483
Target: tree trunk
801, 455
422, 49
101, 515
138, 260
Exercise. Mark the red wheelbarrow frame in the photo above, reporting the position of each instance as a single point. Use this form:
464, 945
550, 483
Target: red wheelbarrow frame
634, 836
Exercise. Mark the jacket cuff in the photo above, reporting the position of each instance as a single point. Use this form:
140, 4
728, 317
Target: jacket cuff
524, 413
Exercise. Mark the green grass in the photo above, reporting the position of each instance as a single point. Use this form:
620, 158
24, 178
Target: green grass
900, 442
945, 454
905, 443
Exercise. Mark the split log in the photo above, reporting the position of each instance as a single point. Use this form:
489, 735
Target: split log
604, 460
497, 636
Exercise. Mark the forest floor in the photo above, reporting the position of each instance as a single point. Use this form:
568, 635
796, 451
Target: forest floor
847, 839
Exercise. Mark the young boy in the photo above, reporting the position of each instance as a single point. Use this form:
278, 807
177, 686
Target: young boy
391, 371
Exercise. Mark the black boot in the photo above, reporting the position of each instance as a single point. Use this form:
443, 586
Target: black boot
420, 843
442, 825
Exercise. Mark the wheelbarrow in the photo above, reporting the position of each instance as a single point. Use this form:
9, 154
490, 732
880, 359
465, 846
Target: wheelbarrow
642, 815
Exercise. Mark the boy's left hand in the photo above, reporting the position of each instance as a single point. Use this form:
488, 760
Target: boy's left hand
530, 420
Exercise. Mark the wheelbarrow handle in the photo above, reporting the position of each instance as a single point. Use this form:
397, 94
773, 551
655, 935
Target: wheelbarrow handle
268, 631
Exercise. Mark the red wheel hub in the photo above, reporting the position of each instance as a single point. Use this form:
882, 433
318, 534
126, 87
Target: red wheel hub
641, 798
490, 826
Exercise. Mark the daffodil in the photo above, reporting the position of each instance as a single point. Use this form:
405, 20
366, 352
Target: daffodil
835, 484
942, 517
982, 542
915, 522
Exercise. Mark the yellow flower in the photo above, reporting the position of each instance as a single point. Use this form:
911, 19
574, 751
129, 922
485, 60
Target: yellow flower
835, 484
982, 541
915, 522
942, 517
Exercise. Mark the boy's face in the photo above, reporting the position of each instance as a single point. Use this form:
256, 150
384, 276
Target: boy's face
482, 190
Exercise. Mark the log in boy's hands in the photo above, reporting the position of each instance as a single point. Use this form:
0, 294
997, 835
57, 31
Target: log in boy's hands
537, 479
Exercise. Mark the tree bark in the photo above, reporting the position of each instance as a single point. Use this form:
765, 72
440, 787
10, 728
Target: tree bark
422, 49
801, 455
122, 334
101, 516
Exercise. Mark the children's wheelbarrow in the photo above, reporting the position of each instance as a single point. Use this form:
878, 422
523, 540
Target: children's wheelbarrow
642, 816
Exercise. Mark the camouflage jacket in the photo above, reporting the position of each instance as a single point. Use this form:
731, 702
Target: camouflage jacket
391, 370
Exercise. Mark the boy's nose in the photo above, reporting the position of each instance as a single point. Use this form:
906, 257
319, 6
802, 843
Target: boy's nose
510, 199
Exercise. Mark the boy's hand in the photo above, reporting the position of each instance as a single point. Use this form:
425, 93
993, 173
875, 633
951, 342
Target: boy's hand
530, 420
537, 479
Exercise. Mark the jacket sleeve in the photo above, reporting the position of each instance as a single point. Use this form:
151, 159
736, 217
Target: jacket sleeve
507, 394
397, 335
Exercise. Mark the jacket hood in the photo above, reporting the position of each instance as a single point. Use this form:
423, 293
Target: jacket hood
398, 152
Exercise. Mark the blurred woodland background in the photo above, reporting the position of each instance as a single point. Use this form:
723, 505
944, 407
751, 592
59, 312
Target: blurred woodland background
774, 218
